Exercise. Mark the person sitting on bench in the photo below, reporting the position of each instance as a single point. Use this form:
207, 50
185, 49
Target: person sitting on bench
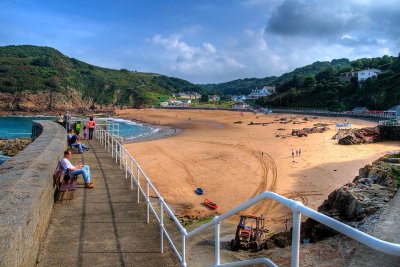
74, 141
76, 170
69, 135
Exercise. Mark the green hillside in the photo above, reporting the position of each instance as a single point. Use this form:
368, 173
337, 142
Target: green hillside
38, 69
244, 86
323, 90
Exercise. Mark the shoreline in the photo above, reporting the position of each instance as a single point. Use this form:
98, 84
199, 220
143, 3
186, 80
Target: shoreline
163, 132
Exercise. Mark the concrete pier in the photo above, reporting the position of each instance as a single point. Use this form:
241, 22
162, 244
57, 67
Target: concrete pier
103, 226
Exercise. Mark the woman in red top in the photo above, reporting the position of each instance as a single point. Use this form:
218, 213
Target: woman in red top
91, 125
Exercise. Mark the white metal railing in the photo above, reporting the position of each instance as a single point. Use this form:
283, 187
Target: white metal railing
136, 174
334, 113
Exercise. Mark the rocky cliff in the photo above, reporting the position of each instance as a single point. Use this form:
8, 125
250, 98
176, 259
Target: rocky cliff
42, 101
355, 202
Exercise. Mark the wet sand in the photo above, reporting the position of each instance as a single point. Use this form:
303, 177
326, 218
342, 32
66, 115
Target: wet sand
233, 162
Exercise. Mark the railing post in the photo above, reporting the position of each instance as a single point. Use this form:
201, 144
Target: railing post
148, 200
161, 226
296, 239
120, 155
183, 250
126, 164
217, 259
131, 172
138, 184
112, 145
116, 149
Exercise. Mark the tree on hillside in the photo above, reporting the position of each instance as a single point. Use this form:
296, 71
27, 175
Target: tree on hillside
204, 97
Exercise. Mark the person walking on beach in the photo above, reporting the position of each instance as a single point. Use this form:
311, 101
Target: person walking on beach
91, 125
292, 153
299, 152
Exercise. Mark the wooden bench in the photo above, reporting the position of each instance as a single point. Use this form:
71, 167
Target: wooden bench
64, 183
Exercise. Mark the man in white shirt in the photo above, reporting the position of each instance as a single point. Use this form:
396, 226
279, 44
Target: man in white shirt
76, 170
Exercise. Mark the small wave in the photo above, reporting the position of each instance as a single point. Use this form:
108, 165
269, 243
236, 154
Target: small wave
153, 131
123, 121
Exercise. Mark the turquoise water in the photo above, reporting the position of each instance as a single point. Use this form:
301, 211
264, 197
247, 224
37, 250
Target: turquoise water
15, 127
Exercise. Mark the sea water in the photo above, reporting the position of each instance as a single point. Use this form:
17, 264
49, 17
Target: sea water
21, 127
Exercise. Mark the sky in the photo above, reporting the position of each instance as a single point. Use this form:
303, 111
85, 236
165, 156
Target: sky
205, 41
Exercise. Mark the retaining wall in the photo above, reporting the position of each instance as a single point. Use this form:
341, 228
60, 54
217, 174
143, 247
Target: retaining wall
27, 194
391, 133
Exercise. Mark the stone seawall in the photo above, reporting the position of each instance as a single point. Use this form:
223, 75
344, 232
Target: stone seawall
27, 195
391, 133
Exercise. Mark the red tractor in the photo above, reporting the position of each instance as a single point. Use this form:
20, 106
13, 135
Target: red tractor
250, 233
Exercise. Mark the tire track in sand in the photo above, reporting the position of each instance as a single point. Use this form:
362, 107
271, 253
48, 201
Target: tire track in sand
181, 164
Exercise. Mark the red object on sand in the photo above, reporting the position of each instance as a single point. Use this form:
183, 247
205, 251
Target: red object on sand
210, 204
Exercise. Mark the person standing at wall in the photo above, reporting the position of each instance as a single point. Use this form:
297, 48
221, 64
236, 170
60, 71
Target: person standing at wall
67, 119
91, 125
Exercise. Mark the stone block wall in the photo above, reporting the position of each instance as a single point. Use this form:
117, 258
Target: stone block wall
27, 195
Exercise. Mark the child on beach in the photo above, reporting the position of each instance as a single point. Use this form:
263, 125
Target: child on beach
85, 133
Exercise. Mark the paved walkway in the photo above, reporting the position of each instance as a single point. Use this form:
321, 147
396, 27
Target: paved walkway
103, 226
387, 229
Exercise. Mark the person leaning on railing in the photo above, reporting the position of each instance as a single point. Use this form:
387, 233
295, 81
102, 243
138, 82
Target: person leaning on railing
76, 170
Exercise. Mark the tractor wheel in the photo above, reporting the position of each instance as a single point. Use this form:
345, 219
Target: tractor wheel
234, 245
256, 247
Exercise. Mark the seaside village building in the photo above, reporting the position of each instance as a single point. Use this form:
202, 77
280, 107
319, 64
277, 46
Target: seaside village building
240, 98
188, 95
361, 75
240, 105
393, 111
214, 98
265, 91
360, 110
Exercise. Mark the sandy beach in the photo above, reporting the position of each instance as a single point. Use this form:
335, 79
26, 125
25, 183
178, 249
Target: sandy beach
233, 162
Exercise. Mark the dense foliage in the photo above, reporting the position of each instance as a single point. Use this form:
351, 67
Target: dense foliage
245, 86
34, 69
323, 90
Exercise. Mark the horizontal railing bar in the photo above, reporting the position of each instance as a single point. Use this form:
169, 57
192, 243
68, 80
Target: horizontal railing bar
366, 239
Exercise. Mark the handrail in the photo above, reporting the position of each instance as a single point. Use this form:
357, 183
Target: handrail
124, 158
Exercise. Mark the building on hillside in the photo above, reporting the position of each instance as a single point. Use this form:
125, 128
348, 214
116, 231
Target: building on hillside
265, 91
182, 95
361, 75
214, 98
194, 95
186, 103
240, 105
393, 111
240, 98
360, 110
164, 104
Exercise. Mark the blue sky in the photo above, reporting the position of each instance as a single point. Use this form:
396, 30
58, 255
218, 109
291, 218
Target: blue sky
205, 41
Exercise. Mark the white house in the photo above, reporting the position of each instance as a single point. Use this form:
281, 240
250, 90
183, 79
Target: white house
394, 111
265, 91
240, 98
361, 75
